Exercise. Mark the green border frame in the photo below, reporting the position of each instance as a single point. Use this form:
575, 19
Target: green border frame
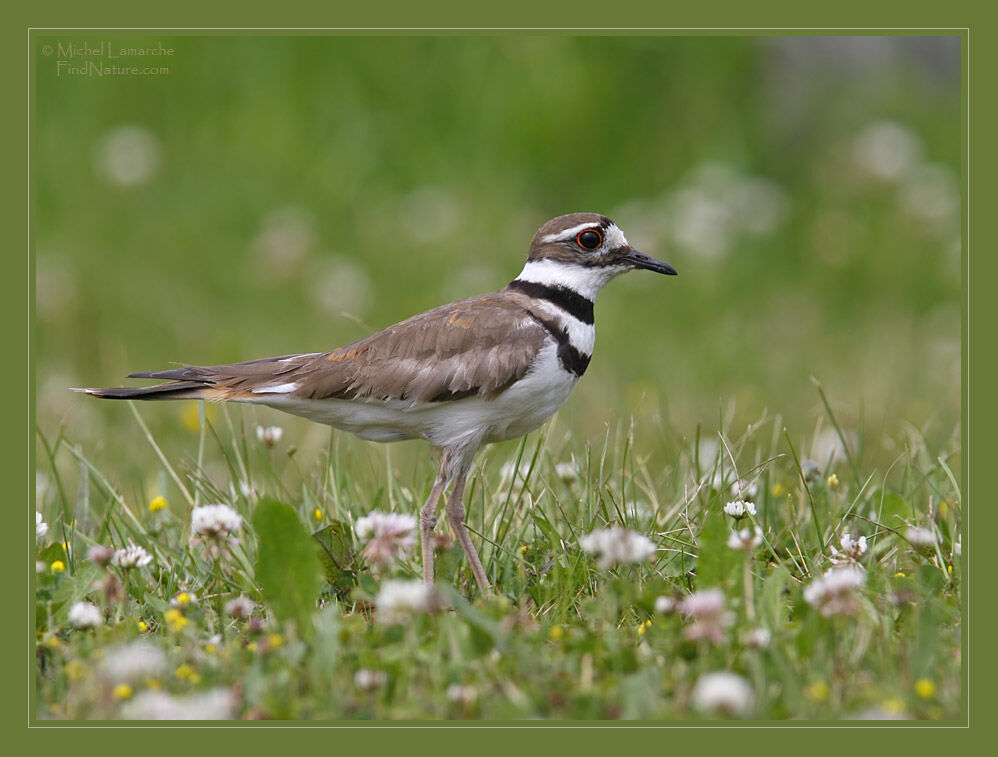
978, 406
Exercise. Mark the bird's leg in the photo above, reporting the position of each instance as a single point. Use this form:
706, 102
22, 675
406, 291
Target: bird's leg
428, 519
455, 515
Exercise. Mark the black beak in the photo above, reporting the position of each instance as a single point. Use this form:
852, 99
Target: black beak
640, 260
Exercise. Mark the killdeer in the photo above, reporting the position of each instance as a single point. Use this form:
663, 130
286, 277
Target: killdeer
460, 376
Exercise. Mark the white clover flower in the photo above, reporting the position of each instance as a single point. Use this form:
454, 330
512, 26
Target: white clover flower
745, 490
702, 603
239, 607
41, 527
216, 704
758, 638
388, 535
666, 605
41, 566
338, 284
852, 549
834, 593
931, 193
462, 695
886, 150
567, 472
215, 521
269, 435
617, 546
706, 610
132, 662
98, 554
957, 548
739, 509
723, 693
287, 237
369, 680
85, 615
920, 538
131, 556
745, 539
397, 601
128, 156
380, 524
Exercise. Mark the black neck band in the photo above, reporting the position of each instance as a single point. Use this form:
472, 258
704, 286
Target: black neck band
567, 299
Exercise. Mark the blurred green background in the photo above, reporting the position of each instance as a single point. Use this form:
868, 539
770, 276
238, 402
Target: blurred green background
271, 195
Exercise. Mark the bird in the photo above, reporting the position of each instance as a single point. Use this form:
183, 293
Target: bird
460, 376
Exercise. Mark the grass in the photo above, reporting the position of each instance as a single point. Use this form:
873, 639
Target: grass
562, 638
292, 194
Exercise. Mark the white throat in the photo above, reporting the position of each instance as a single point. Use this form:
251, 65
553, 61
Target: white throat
586, 280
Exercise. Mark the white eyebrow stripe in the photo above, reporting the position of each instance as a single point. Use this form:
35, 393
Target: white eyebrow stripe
612, 235
569, 233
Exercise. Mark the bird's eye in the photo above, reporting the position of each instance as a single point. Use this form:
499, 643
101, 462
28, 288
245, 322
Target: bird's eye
589, 239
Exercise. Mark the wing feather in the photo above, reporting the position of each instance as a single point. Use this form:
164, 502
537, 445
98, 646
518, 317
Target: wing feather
475, 347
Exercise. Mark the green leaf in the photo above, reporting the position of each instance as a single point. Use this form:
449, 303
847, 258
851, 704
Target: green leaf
52, 553
286, 568
893, 510
930, 635
75, 588
337, 557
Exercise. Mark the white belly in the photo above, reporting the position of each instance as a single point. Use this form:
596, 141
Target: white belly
520, 409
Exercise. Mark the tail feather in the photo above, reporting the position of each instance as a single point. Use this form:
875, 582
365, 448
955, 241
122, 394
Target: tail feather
180, 390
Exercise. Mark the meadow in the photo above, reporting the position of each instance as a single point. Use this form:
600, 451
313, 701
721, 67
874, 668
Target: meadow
767, 447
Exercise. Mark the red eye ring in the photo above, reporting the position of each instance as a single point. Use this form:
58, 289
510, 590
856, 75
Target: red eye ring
589, 243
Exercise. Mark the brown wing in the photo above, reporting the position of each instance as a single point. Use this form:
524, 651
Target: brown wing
477, 346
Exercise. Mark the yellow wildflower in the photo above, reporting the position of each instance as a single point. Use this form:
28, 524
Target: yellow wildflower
925, 688
175, 619
900, 574
893, 706
642, 627
183, 598
186, 673
210, 648
818, 691
523, 549
157, 504
153, 683
190, 417
556, 633
832, 481
142, 626
74, 670
778, 489
317, 514
58, 566
122, 691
